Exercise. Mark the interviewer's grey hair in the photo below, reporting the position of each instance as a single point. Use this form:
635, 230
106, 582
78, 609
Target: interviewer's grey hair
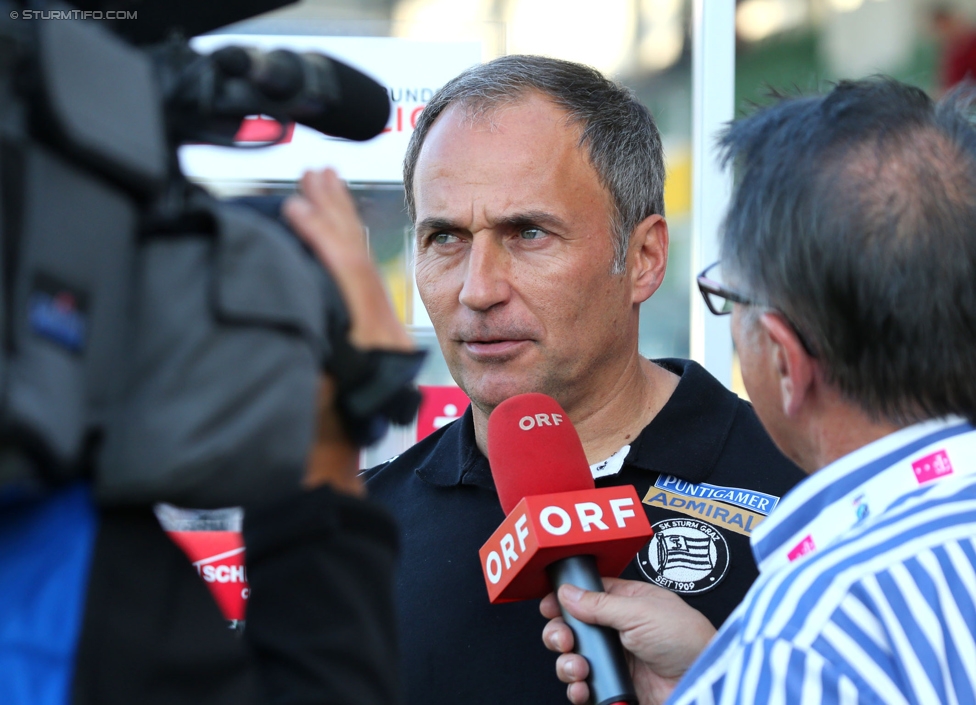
854, 214
623, 143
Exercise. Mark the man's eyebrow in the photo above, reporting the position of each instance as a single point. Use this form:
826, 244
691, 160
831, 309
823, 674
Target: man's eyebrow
541, 219
435, 224
513, 221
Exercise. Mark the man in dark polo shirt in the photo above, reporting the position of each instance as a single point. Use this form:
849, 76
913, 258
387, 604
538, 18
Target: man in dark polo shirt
536, 189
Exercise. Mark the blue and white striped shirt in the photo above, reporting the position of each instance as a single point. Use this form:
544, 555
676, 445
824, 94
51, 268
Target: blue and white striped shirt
867, 586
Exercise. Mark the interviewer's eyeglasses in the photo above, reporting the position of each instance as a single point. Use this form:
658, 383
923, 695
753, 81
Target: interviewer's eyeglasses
719, 299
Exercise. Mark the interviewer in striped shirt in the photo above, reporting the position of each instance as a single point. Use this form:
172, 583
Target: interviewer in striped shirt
849, 268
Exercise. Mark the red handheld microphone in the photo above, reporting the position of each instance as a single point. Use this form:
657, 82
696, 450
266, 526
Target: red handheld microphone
560, 529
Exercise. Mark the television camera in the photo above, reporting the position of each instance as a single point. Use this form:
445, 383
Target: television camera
162, 343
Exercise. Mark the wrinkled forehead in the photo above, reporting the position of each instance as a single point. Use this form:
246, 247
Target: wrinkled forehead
517, 161
489, 112
532, 135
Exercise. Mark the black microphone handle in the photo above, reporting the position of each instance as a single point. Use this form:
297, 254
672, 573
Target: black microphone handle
609, 679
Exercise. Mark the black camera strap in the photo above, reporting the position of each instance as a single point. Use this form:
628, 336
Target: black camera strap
375, 388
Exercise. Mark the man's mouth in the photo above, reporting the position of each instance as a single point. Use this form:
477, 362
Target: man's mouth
494, 347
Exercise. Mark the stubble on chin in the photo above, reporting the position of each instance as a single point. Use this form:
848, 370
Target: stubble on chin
489, 384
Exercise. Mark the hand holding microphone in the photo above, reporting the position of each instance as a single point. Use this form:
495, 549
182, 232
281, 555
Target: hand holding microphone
661, 634
559, 529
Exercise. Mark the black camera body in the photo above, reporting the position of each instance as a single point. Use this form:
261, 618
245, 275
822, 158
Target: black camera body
155, 340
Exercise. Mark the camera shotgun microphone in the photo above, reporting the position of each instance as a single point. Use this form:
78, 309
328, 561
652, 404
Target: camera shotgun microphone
311, 88
335, 98
559, 529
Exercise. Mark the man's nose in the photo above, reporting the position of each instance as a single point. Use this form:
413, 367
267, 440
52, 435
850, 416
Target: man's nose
486, 281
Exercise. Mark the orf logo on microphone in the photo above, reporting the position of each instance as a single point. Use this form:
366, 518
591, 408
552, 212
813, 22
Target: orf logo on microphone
607, 523
528, 422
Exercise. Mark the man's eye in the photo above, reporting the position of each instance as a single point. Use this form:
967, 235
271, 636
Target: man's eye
532, 233
443, 238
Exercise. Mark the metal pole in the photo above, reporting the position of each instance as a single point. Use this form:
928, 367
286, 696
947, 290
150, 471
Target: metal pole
713, 104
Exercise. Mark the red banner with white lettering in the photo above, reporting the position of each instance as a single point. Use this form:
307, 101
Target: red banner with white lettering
218, 557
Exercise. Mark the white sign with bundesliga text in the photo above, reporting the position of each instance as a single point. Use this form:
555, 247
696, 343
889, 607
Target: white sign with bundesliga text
411, 70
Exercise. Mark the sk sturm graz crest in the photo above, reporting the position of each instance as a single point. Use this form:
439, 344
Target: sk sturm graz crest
687, 556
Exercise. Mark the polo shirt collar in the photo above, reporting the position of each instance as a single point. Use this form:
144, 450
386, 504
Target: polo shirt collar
685, 439
687, 436
457, 459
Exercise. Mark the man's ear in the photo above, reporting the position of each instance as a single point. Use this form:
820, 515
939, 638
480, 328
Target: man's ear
793, 366
649, 250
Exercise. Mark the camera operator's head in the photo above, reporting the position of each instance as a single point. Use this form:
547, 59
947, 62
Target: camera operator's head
852, 226
536, 190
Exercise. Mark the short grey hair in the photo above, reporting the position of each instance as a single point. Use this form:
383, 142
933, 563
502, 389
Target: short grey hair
623, 143
854, 215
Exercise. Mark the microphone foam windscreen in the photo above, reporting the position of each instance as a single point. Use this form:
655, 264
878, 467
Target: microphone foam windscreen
533, 449
363, 109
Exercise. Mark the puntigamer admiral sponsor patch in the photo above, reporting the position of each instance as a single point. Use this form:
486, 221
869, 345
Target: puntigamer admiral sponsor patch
729, 508
747, 499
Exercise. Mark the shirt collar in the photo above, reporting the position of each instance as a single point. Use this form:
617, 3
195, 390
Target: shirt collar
685, 438
457, 460
844, 477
